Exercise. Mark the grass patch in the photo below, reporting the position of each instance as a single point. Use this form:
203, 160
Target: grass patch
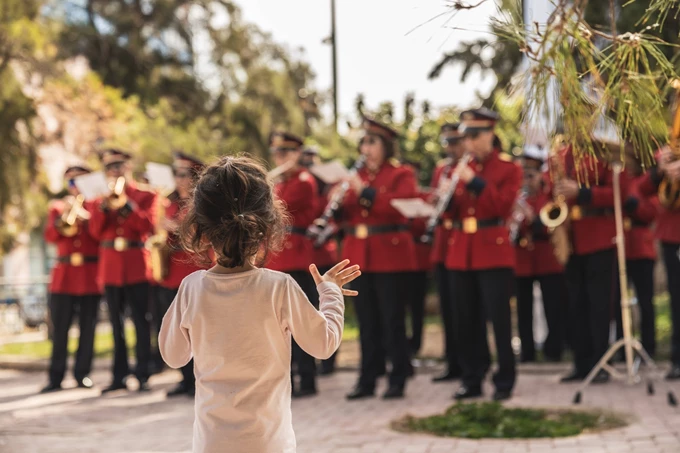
492, 420
103, 346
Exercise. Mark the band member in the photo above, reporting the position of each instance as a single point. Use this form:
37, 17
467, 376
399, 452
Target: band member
451, 140
640, 213
73, 285
480, 258
668, 233
325, 256
417, 280
377, 239
591, 271
536, 262
122, 221
297, 188
180, 263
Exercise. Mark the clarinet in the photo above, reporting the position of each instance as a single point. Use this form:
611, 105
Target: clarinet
517, 215
322, 228
444, 200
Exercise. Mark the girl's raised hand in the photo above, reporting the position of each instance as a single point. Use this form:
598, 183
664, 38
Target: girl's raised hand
339, 274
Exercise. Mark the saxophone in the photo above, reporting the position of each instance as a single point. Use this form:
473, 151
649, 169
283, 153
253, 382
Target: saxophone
669, 190
555, 214
158, 243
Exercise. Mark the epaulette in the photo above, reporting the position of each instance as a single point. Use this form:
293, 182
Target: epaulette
395, 162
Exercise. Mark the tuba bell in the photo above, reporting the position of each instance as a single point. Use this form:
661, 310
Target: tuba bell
669, 190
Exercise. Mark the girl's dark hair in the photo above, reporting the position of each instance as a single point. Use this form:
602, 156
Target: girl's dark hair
391, 147
234, 211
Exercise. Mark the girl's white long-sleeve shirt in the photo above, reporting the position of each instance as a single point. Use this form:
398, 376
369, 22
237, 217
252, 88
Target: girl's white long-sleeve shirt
237, 328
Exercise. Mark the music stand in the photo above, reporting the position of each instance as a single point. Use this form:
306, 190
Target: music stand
629, 343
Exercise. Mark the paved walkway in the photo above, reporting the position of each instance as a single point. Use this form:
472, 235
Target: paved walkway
81, 421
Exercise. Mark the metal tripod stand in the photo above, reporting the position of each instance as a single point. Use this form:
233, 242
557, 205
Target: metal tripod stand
628, 343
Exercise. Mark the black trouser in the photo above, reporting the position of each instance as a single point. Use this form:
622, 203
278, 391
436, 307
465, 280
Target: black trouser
671, 258
415, 303
136, 296
164, 298
382, 326
553, 292
448, 310
480, 295
329, 363
62, 309
641, 274
592, 281
305, 363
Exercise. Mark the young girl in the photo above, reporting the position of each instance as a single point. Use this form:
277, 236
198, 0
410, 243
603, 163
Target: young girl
236, 319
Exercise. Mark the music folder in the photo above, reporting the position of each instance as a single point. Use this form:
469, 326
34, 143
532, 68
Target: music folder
330, 172
92, 185
160, 177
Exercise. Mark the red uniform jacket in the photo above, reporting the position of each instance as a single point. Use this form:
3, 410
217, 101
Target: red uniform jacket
71, 275
390, 251
442, 232
593, 226
640, 213
299, 192
667, 221
535, 254
133, 222
486, 200
181, 262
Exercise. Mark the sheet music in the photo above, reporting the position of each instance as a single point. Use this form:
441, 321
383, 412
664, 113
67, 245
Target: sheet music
330, 172
412, 208
160, 177
92, 185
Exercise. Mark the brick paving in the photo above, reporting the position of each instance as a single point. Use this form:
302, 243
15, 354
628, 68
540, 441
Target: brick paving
80, 420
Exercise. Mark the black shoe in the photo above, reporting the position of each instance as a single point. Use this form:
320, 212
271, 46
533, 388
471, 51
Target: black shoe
394, 392
601, 377
115, 385
181, 389
574, 376
304, 391
502, 395
674, 373
326, 370
360, 392
144, 387
85, 383
465, 392
191, 392
51, 387
446, 377
527, 358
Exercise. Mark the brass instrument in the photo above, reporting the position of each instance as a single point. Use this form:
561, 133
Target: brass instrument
554, 214
444, 199
67, 225
669, 191
322, 228
157, 245
117, 198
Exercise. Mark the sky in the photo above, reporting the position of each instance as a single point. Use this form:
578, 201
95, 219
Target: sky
377, 56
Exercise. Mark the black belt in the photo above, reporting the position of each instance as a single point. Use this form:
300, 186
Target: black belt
472, 224
297, 230
76, 259
578, 212
127, 244
362, 231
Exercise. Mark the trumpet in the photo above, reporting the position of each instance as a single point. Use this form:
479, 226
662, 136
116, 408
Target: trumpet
444, 199
68, 226
322, 229
669, 191
554, 214
117, 198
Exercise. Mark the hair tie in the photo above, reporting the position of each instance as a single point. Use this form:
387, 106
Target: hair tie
241, 215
